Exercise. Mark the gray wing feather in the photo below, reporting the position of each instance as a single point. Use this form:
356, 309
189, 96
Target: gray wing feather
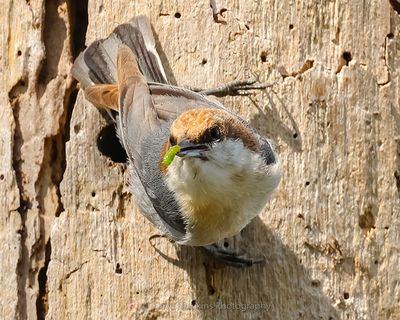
143, 142
98, 59
169, 223
109, 48
162, 198
137, 35
97, 64
80, 71
170, 101
152, 64
267, 150
138, 119
143, 137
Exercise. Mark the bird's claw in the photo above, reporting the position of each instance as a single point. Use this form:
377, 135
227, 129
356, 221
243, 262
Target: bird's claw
231, 258
234, 88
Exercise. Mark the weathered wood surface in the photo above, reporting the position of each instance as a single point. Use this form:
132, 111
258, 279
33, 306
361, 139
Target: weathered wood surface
73, 244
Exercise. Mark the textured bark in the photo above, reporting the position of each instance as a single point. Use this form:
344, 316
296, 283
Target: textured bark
73, 244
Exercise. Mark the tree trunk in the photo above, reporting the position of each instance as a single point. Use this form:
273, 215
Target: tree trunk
73, 244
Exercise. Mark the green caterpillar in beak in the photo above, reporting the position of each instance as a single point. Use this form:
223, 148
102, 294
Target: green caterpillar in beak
170, 155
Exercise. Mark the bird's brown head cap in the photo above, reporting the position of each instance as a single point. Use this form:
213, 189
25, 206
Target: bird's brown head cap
202, 126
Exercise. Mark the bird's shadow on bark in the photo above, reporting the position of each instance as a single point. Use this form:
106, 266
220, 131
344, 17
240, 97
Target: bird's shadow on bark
279, 288
270, 121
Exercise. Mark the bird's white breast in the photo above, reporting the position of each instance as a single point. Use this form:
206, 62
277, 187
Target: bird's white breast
221, 195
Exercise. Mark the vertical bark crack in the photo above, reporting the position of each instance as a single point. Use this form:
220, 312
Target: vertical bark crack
79, 17
42, 301
54, 34
396, 119
50, 176
23, 260
54, 158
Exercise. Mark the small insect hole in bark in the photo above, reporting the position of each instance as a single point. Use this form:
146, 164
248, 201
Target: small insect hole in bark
346, 55
263, 56
118, 269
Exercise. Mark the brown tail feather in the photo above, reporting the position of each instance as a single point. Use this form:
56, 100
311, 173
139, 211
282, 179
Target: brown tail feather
103, 96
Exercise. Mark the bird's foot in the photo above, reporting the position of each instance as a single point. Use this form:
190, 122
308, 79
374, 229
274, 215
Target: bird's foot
231, 258
234, 88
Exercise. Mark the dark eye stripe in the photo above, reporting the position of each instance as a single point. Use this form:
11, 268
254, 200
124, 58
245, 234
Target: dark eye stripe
172, 141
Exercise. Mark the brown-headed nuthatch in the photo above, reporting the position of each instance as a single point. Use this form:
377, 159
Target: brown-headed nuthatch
198, 171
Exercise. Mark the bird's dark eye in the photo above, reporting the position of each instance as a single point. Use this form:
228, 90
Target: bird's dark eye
215, 133
171, 140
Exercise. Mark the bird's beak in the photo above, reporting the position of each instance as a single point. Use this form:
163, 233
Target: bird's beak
190, 149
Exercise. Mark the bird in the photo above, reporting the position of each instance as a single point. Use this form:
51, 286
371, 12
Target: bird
198, 171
